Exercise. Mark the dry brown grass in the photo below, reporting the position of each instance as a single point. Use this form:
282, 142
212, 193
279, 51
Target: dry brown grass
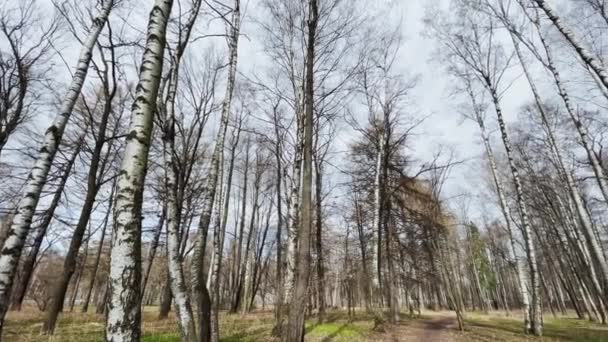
26, 326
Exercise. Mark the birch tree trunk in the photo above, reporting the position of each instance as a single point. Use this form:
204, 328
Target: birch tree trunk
218, 246
535, 317
376, 239
297, 310
198, 281
583, 53
179, 289
13, 246
294, 213
523, 286
124, 313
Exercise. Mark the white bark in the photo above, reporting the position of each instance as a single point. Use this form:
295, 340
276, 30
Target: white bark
579, 206
376, 223
178, 284
124, 315
218, 151
523, 284
13, 246
293, 218
535, 316
583, 53
181, 300
580, 128
218, 246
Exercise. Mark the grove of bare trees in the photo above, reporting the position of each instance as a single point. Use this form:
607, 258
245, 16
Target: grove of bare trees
203, 159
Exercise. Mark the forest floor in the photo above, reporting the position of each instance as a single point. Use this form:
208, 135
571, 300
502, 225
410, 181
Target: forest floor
25, 326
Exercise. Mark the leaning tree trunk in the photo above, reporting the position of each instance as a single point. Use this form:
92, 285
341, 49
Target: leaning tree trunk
83, 263
536, 321
27, 269
596, 165
13, 246
177, 281
92, 188
87, 298
582, 52
124, 312
295, 332
521, 276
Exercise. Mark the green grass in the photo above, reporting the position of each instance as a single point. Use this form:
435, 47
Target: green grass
497, 328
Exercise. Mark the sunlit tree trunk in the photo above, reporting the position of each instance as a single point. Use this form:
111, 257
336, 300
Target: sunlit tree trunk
124, 313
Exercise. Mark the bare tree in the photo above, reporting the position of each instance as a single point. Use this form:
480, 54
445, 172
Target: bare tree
21, 66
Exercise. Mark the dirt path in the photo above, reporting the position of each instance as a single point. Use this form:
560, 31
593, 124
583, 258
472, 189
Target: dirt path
437, 328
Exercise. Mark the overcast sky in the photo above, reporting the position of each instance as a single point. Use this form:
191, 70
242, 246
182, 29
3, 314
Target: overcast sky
431, 98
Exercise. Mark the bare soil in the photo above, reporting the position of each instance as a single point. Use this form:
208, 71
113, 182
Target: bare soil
436, 328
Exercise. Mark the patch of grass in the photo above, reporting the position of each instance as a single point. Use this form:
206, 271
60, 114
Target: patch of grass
161, 338
496, 328
338, 327
334, 332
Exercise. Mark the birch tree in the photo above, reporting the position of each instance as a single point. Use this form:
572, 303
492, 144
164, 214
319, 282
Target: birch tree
295, 330
199, 279
123, 314
178, 284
